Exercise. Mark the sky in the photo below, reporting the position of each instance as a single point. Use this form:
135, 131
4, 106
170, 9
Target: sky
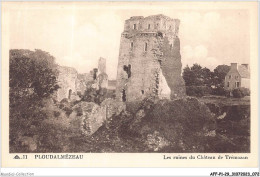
78, 37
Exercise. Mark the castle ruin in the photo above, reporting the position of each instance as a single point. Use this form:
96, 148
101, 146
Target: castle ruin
72, 84
149, 59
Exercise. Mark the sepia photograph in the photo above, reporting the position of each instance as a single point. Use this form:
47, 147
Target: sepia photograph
143, 83
129, 78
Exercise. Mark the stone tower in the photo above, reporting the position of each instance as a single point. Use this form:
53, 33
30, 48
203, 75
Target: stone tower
102, 77
149, 59
102, 65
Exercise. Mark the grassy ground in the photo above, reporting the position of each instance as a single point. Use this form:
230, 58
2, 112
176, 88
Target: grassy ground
222, 100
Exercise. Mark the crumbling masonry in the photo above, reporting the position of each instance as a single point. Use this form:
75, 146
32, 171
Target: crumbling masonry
72, 84
149, 59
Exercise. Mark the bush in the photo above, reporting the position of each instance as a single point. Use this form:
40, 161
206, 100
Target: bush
198, 91
241, 92
245, 91
220, 91
237, 93
40, 126
94, 95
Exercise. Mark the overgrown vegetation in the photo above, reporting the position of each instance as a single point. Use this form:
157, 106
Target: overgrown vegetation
36, 124
95, 95
201, 81
241, 92
32, 74
198, 91
233, 128
155, 125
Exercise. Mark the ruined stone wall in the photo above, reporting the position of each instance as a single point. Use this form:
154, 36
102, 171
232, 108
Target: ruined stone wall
81, 82
102, 65
67, 81
172, 66
149, 59
72, 84
102, 77
102, 80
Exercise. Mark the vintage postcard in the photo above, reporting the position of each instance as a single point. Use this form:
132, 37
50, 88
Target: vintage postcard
129, 84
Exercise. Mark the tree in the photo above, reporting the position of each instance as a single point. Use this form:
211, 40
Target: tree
36, 124
188, 76
197, 76
219, 75
32, 73
207, 77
